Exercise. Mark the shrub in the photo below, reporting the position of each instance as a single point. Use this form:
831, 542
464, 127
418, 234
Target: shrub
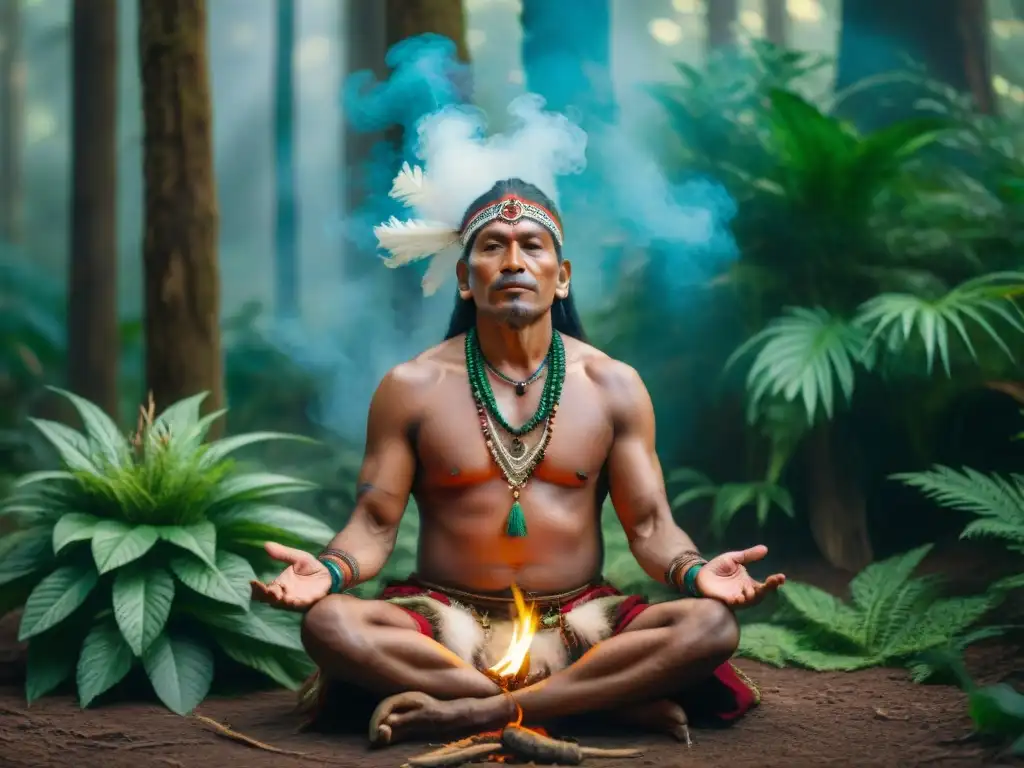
140, 552
891, 619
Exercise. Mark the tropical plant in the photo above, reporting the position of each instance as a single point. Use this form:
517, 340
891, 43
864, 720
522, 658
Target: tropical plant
728, 498
139, 552
892, 618
997, 503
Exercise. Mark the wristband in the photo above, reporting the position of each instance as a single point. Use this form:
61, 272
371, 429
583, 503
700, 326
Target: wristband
347, 559
690, 580
337, 577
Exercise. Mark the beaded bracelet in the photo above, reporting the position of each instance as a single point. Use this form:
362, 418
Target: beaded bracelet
690, 580
337, 577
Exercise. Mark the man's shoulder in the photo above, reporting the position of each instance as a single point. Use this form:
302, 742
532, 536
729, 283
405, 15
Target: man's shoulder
424, 370
605, 371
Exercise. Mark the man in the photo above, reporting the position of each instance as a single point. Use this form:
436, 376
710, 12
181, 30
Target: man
508, 497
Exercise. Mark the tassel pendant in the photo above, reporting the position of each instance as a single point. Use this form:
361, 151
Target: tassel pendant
516, 525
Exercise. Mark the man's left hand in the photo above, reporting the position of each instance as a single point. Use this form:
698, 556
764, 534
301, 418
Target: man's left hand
725, 579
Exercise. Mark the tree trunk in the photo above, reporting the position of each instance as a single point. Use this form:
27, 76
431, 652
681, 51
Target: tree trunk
721, 18
12, 112
286, 226
877, 36
405, 19
776, 22
93, 342
837, 509
182, 283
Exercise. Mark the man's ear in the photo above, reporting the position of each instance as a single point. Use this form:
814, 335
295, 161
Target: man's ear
564, 274
462, 275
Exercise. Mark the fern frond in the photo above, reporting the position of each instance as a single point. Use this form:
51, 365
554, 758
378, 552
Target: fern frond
824, 613
780, 646
902, 608
942, 621
873, 588
998, 500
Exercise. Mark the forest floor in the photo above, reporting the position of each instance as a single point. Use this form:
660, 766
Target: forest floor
876, 718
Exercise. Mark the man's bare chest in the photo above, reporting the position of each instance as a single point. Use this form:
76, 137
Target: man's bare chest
453, 451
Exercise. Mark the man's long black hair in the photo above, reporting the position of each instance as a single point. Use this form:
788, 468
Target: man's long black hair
564, 316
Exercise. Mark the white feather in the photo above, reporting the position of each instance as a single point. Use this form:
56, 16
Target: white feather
408, 241
442, 268
410, 186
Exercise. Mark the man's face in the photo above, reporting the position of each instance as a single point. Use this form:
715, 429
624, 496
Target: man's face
513, 272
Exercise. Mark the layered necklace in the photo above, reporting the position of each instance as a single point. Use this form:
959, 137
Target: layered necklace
515, 460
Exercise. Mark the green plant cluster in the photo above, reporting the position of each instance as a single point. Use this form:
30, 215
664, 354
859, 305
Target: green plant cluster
139, 553
891, 618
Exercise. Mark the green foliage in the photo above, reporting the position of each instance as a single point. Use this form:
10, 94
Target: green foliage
998, 710
728, 498
139, 552
997, 502
892, 618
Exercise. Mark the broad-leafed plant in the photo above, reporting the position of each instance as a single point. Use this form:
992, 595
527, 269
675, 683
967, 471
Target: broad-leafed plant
892, 618
139, 551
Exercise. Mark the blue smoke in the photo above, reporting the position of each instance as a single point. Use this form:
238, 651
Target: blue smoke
624, 197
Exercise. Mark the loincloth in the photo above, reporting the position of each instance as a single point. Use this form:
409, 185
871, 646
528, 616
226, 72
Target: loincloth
478, 629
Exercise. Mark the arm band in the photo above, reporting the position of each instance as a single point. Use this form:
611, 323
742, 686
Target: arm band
337, 577
332, 556
690, 580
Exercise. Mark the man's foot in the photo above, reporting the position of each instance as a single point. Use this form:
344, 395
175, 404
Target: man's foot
407, 715
658, 716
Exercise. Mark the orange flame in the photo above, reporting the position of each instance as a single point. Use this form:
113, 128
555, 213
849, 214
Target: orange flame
523, 630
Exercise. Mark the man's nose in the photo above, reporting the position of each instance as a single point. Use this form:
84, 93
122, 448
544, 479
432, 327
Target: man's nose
513, 261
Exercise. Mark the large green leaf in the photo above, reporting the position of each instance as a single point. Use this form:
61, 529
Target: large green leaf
106, 437
29, 513
273, 523
14, 594
73, 447
873, 588
199, 538
263, 658
115, 544
258, 486
268, 625
24, 552
46, 476
142, 602
72, 527
55, 598
227, 582
217, 451
180, 670
51, 659
104, 661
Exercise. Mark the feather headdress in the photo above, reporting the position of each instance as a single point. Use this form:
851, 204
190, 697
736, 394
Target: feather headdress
443, 241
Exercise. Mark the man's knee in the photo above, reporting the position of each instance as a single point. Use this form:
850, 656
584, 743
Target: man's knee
713, 626
333, 628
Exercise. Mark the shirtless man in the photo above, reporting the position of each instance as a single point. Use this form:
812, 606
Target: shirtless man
424, 649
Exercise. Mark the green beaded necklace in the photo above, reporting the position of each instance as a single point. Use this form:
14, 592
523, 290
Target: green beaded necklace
516, 464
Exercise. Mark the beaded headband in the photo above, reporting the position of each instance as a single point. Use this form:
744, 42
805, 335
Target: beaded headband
510, 209
442, 242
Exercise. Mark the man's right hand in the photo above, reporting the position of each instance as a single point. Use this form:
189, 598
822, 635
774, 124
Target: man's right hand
305, 581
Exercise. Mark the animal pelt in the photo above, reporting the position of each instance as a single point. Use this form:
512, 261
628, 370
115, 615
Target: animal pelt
552, 649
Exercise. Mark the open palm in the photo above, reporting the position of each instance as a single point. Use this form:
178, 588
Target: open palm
725, 579
302, 583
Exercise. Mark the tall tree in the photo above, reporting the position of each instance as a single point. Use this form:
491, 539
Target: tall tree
776, 22
721, 18
12, 112
286, 230
182, 281
878, 36
93, 342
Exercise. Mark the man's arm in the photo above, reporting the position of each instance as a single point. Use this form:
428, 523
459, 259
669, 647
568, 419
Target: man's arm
637, 486
386, 476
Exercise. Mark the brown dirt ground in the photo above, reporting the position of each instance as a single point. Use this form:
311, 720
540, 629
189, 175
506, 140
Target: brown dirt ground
873, 718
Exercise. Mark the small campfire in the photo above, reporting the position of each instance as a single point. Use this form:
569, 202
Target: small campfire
515, 743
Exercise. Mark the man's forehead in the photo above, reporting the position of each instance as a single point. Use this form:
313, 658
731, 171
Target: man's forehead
511, 231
